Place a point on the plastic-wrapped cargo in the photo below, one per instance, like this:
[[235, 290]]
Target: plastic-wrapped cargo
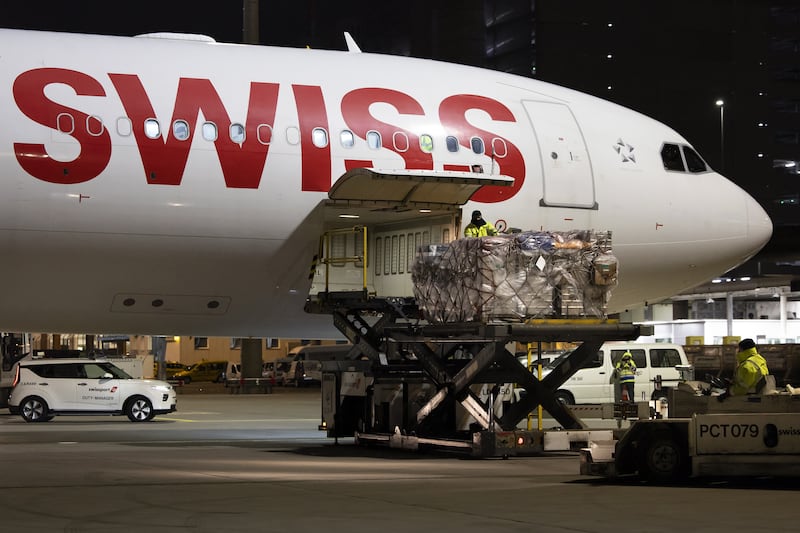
[[532, 274]]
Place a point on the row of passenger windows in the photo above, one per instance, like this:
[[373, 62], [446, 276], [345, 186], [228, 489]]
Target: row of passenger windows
[[320, 137], [682, 157]]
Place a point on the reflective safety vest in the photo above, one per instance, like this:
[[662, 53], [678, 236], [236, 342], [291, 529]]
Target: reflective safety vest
[[752, 369], [626, 370], [480, 231]]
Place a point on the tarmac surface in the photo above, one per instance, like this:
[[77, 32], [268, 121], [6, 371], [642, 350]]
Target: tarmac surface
[[257, 463]]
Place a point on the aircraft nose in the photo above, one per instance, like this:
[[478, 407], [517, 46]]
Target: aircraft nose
[[759, 225]]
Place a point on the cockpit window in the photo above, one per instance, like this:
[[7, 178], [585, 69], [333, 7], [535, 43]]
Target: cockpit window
[[694, 161], [671, 156]]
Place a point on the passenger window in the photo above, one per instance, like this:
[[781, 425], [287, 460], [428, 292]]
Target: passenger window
[[124, 128], [694, 161], [374, 140], [664, 358], [209, 131], [400, 141], [180, 130], [319, 137], [94, 126], [426, 143], [264, 133], [237, 133], [293, 135], [151, 128], [65, 123], [671, 156], [452, 143], [477, 145], [499, 147], [347, 138], [638, 357]]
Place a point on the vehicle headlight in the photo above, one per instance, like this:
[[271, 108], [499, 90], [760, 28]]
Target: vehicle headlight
[[161, 388]]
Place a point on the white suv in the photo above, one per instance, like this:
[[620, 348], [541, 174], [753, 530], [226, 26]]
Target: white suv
[[44, 388]]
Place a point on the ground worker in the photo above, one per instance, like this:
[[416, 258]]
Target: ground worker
[[751, 371], [625, 372], [479, 227]]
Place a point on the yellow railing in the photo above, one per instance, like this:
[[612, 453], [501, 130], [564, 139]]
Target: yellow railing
[[325, 250]]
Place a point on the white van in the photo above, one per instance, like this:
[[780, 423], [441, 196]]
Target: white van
[[306, 367], [594, 382]]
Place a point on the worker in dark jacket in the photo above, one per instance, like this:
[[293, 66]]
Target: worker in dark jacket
[[479, 227], [751, 371]]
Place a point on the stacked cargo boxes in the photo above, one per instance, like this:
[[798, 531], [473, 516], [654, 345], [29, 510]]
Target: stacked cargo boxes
[[532, 274]]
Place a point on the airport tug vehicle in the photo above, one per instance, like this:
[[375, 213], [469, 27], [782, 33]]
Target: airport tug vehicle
[[752, 435]]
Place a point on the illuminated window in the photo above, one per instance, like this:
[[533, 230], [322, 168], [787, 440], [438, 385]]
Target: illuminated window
[[152, 129], [426, 143], [209, 131], [347, 139], [180, 130], [237, 133], [319, 137], [374, 140]]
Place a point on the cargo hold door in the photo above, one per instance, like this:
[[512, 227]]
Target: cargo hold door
[[410, 188], [400, 209], [566, 167]]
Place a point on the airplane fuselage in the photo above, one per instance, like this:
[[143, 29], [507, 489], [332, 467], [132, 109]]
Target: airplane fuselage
[[188, 175]]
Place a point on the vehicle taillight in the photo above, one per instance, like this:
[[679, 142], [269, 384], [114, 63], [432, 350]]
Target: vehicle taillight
[[16, 377]]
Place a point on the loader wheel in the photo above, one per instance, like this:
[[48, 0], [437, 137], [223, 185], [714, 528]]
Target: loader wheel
[[663, 460]]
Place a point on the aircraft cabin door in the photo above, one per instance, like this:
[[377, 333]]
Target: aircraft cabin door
[[566, 167]]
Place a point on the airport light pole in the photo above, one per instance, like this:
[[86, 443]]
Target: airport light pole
[[721, 105]]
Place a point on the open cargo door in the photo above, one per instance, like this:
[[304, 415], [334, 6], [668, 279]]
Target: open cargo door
[[411, 188], [399, 210]]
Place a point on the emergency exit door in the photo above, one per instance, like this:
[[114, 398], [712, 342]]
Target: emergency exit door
[[566, 167]]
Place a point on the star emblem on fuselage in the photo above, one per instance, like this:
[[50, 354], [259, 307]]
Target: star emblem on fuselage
[[625, 151]]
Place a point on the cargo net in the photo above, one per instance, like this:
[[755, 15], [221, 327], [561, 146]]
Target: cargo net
[[533, 274]]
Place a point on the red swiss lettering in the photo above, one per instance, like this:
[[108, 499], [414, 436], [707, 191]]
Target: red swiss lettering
[[164, 160], [452, 113], [355, 111], [316, 160], [95, 143]]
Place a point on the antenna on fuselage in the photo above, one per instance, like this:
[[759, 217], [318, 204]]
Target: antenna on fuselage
[[351, 43]]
